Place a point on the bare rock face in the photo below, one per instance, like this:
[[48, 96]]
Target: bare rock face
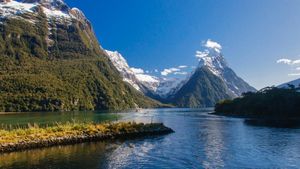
[[79, 15]]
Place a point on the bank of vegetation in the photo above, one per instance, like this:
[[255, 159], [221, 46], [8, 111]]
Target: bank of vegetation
[[270, 103], [33, 136]]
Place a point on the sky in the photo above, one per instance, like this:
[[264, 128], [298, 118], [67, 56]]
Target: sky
[[260, 39]]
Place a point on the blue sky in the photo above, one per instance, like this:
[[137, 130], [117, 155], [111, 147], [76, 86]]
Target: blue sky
[[159, 34]]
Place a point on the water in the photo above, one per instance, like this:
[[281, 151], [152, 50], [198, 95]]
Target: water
[[200, 140]]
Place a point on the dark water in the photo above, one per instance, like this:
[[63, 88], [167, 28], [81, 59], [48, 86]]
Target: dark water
[[200, 140]]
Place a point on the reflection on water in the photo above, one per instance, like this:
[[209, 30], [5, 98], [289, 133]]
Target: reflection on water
[[200, 140], [88, 155], [21, 119], [214, 145]]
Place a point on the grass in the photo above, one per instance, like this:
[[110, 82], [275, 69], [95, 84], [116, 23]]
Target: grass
[[35, 133]]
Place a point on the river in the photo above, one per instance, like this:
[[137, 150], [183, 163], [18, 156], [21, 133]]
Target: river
[[201, 140]]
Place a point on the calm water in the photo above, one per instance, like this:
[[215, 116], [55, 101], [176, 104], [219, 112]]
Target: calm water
[[200, 140]]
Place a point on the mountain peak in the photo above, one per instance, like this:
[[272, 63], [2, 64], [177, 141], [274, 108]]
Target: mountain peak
[[142, 81], [213, 59], [55, 10]]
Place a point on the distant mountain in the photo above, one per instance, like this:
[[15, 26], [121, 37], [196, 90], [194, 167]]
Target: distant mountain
[[152, 86], [296, 83], [51, 60], [213, 59], [203, 89], [211, 82]]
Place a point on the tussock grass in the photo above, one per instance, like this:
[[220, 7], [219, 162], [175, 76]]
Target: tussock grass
[[35, 133]]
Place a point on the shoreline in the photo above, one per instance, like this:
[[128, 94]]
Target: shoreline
[[135, 131], [265, 121]]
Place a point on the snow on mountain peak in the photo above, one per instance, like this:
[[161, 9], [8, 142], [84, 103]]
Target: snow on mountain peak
[[212, 57], [56, 10], [50, 4], [122, 66], [213, 45], [296, 83], [141, 80], [13, 8], [119, 62]]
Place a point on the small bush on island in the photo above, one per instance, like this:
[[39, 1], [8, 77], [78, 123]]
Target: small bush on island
[[268, 103]]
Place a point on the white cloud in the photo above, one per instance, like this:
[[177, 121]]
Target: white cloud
[[288, 61], [182, 66], [208, 45], [137, 70], [155, 70], [292, 63], [284, 61], [147, 78], [296, 61], [175, 70], [213, 45], [294, 74], [165, 72], [180, 73], [200, 54]]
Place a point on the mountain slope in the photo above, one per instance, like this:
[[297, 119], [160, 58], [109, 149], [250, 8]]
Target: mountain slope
[[58, 64], [212, 81], [203, 89], [216, 63], [296, 83], [151, 86], [122, 66]]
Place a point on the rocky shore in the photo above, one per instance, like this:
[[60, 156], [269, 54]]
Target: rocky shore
[[111, 132]]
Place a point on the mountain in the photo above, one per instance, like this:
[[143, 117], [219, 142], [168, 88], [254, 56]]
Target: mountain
[[296, 83], [213, 59], [51, 60], [152, 86], [213, 80], [122, 66], [203, 89]]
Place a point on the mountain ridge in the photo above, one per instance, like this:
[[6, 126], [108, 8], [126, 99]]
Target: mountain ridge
[[212, 69], [295, 82]]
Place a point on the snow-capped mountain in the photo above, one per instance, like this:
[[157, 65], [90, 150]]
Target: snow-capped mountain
[[212, 81], [141, 81], [213, 59], [51, 49], [55, 10], [296, 83], [122, 66]]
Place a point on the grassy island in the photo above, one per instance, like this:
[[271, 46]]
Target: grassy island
[[271, 104], [33, 136]]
